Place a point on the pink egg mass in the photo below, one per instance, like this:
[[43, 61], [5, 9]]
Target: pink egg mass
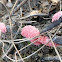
[[56, 16], [3, 27], [44, 40], [31, 31]]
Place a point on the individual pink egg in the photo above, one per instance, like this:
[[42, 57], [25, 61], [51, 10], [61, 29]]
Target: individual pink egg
[[56, 16]]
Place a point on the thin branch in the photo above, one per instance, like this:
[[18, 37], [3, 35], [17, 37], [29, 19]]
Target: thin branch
[[13, 7], [7, 51], [27, 16], [15, 57], [60, 5], [55, 48]]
